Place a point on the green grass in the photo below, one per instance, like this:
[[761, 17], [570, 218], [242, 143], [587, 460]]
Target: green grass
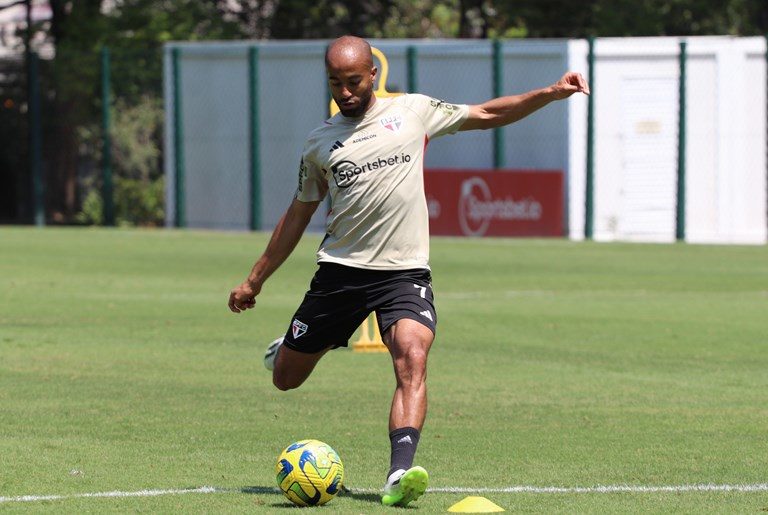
[[556, 364]]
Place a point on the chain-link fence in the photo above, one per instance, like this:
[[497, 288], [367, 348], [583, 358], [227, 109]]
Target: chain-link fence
[[672, 144], [238, 114], [631, 170]]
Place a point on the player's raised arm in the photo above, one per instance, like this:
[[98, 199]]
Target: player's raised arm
[[284, 238], [505, 110]]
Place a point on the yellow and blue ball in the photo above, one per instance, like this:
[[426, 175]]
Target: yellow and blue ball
[[309, 473]]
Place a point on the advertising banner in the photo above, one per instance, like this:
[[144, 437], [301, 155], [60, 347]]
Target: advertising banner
[[494, 202]]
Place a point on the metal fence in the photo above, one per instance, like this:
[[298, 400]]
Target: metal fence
[[632, 170], [671, 145], [219, 94]]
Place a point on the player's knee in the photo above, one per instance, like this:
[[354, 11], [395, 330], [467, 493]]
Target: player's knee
[[412, 353], [416, 358], [411, 365], [285, 383]]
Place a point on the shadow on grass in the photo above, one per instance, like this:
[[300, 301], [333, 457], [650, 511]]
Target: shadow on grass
[[268, 490], [260, 490], [360, 496]]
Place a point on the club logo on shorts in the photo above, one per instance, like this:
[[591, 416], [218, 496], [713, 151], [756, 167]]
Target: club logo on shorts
[[298, 328], [392, 123]]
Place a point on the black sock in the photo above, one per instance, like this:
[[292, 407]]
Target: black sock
[[404, 441]]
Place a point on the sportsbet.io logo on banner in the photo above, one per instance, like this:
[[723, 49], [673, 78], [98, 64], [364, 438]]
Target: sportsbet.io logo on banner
[[498, 203]]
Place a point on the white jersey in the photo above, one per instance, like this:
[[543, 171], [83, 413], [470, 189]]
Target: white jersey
[[373, 168]]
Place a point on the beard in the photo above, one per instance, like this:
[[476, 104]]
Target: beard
[[355, 112]]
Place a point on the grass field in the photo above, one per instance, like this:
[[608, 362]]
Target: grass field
[[557, 364]]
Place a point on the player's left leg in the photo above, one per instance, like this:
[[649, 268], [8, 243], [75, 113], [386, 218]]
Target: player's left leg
[[408, 342]]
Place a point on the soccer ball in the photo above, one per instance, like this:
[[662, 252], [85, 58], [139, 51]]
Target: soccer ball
[[309, 473]]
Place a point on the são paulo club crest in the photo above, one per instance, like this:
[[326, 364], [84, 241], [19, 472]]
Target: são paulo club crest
[[392, 123], [298, 328]]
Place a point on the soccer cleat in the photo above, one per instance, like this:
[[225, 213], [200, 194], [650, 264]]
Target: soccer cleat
[[271, 353], [404, 486]]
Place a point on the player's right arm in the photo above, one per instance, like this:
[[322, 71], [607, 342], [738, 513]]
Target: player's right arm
[[284, 238]]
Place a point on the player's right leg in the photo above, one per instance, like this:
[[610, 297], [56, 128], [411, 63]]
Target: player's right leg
[[292, 368], [408, 321], [408, 342], [330, 313]]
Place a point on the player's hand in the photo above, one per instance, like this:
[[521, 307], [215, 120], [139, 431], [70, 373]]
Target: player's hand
[[570, 83], [243, 297]]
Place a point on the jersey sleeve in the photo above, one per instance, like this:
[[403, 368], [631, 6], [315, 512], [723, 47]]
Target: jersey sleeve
[[439, 117], [312, 184]]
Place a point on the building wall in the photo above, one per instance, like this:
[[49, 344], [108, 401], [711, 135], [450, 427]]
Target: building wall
[[636, 114]]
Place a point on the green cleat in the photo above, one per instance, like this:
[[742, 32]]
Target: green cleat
[[404, 486]]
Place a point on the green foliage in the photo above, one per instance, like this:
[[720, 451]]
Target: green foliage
[[136, 138], [297, 19], [92, 212], [139, 202], [562, 18], [136, 202], [419, 20], [137, 156]]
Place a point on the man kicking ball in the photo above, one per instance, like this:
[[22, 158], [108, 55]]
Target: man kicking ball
[[375, 255]]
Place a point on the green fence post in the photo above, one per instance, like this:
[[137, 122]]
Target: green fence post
[[178, 141], [106, 142], [253, 144], [412, 72], [680, 221], [498, 87], [36, 140], [589, 201]]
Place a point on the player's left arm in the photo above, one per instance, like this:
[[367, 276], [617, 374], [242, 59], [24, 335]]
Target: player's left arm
[[505, 110]]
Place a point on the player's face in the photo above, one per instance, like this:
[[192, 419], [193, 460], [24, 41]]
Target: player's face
[[351, 86]]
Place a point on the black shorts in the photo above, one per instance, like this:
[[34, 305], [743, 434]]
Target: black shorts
[[341, 297]]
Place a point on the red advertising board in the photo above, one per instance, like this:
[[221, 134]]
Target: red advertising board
[[495, 202]]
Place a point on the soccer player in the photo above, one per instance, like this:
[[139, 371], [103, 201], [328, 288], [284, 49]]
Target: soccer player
[[375, 255]]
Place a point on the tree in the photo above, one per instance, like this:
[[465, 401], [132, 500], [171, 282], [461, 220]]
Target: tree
[[135, 31], [322, 19], [563, 18]]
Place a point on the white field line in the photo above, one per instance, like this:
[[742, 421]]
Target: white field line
[[510, 294], [140, 493], [608, 489], [759, 487]]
